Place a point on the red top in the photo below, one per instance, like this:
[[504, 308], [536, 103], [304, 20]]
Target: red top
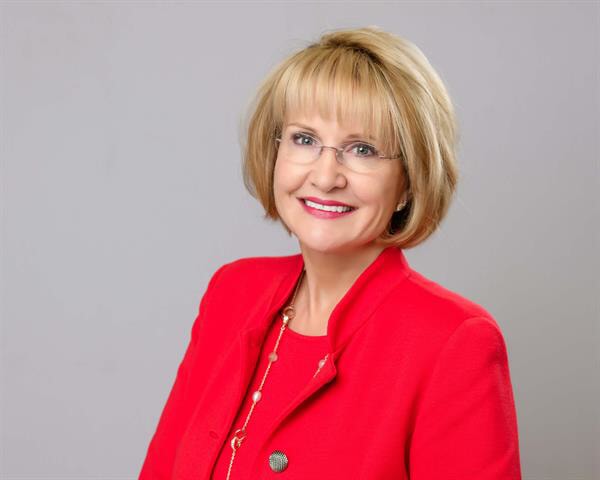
[[416, 384], [297, 361]]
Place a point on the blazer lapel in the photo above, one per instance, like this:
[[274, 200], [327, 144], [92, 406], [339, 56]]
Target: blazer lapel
[[372, 286], [216, 409]]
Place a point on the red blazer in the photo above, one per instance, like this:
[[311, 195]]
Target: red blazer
[[416, 385]]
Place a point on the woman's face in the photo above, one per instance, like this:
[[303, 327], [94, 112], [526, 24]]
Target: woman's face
[[374, 194]]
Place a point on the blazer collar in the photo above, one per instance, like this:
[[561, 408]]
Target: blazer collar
[[372, 286]]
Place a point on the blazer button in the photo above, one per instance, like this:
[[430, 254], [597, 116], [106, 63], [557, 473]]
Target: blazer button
[[278, 461]]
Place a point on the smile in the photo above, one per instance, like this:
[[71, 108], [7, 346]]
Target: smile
[[325, 211]]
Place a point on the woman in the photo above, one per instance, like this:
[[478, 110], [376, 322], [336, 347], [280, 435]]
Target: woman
[[342, 361]]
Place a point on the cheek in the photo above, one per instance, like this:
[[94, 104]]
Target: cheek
[[276, 178], [286, 179], [390, 186], [372, 192], [379, 194], [279, 179]]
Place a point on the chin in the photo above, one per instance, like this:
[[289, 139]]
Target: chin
[[326, 245]]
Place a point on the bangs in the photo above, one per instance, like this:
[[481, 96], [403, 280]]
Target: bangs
[[339, 84]]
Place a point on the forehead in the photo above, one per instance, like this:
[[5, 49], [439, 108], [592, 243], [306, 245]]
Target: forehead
[[314, 120]]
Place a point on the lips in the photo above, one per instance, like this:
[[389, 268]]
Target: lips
[[325, 214], [331, 203]]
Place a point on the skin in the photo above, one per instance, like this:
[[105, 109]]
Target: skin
[[335, 251]]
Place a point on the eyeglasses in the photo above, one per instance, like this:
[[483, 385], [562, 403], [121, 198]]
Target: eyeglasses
[[359, 157]]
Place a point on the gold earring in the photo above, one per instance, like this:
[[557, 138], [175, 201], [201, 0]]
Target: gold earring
[[400, 206]]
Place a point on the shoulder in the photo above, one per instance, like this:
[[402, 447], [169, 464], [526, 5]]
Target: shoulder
[[251, 272], [437, 309], [437, 323], [237, 286], [440, 298], [258, 265]]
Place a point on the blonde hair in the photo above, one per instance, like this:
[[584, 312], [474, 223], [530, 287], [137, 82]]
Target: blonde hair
[[386, 82]]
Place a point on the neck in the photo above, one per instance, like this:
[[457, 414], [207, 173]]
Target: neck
[[327, 278]]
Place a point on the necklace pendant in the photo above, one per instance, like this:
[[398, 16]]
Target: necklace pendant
[[288, 314], [237, 439], [321, 364]]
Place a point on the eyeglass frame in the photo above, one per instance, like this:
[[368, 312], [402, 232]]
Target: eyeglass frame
[[339, 152]]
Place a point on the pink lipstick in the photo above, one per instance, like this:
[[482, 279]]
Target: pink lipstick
[[322, 213]]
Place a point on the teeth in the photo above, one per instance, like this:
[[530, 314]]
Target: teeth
[[327, 208]]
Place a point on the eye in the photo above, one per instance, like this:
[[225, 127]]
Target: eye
[[363, 150], [303, 139]]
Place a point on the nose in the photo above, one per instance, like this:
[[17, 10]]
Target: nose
[[334, 151], [326, 172]]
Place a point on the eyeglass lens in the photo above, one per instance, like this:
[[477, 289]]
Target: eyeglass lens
[[357, 156]]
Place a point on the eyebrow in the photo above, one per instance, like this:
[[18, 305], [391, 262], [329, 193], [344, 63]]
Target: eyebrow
[[357, 136]]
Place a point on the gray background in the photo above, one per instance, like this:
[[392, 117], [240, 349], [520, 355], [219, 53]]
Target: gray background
[[121, 194]]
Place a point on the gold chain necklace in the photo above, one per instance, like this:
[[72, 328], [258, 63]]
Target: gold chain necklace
[[287, 314]]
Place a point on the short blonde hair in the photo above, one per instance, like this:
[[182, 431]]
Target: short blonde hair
[[384, 81]]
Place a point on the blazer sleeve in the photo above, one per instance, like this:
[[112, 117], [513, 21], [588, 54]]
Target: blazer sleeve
[[171, 425], [466, 425]]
